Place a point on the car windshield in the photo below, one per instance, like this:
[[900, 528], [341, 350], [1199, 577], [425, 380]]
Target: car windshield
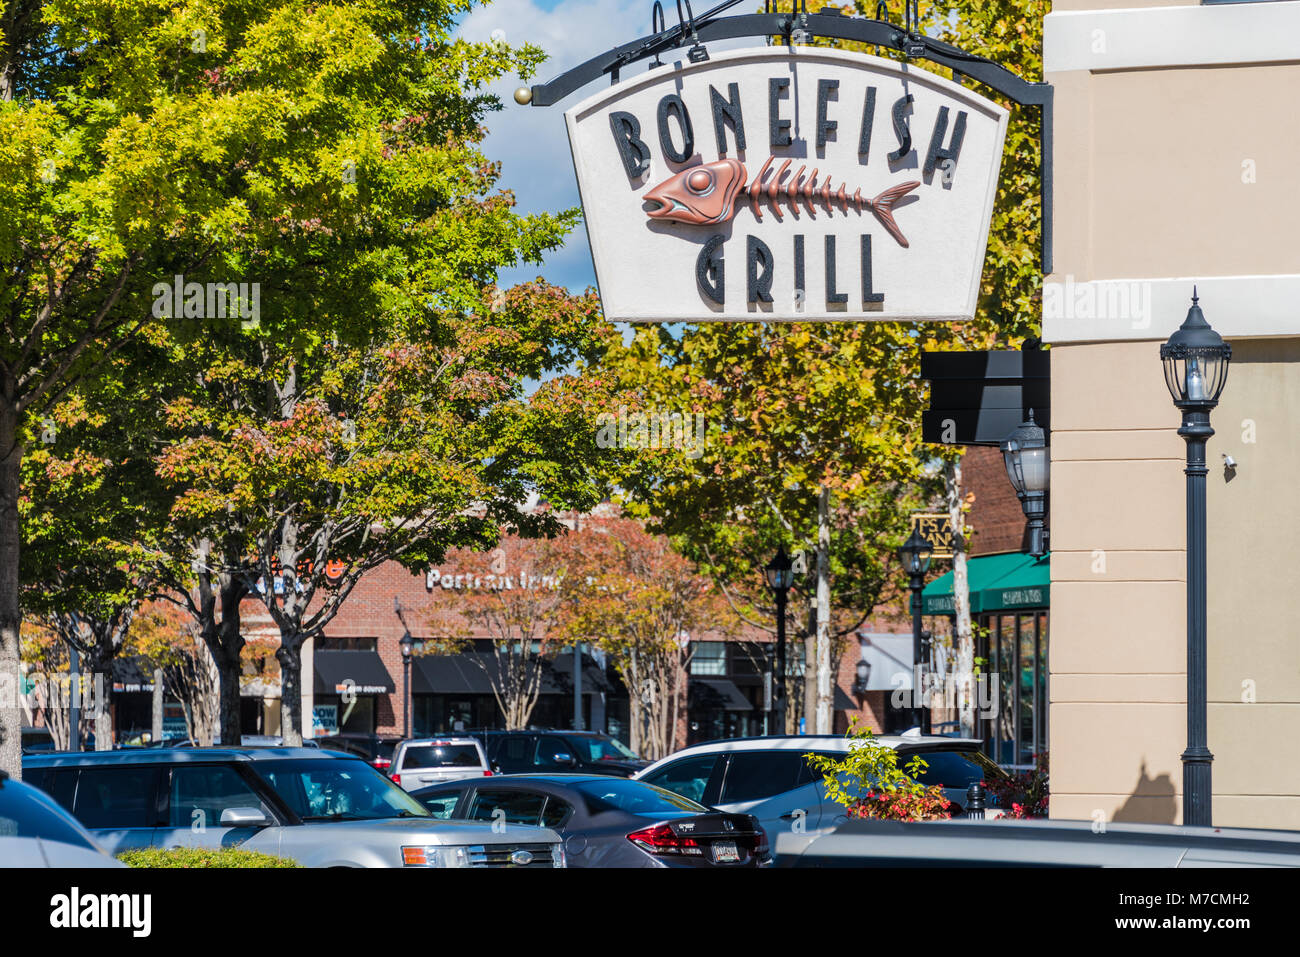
[[27, 812], [635, 797], [441, 756], [602, 749], [953, 769], [337, 790]]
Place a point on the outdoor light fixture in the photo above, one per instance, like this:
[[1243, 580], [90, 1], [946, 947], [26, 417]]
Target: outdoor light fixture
[[915, 554], [779, 574], [407, 645], [863, 677], [779, 571], [1196, 367], [1025, 455]]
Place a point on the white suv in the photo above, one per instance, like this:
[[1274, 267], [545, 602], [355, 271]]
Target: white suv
[[419, 762], [770, 778]]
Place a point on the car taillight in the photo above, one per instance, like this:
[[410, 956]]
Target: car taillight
[[660, 839], [381, 763], [397, 779], [487, 774]]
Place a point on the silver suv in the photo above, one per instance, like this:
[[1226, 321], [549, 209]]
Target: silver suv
[[320, 808], [420, 762]]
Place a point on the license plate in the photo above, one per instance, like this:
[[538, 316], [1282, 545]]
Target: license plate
[[725, 852]]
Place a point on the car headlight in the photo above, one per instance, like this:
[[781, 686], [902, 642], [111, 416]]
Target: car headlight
[[557, 855], [431, 856]]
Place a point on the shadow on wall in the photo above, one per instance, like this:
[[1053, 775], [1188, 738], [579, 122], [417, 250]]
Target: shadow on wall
[[1152, 801]]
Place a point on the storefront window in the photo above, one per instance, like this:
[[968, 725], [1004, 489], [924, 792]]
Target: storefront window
[[709, 658], [1016, 651]]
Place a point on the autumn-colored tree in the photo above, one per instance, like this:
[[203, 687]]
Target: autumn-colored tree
[[512, 594], [47, 690], [386, 451], [634, 597], [811, 445]]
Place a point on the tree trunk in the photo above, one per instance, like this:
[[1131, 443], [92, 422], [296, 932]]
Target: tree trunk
[[809, 673], [11, 454], [290, 658], [156, 718], [224, 643], [825, 703], [963, 639]]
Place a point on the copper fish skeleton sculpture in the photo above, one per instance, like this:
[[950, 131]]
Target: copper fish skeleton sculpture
[[708, 194]]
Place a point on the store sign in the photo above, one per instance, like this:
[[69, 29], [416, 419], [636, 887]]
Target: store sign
[[937, 530], [787, 183]]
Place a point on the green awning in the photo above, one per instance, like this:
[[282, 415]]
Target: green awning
[[996, 583]]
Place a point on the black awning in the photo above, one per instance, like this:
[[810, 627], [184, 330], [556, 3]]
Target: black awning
[[472, 673], [131, 673], [451, 674], [841, 701], [335, 667], [559, 675], [717, 694]]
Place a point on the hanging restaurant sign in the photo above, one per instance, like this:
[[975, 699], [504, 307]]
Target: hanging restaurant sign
[[787, 183]]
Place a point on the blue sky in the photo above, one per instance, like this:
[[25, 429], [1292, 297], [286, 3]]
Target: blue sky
[[530, 142]]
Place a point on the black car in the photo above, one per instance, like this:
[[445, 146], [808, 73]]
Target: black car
[[577, 752], [373, 748], [607, 821]]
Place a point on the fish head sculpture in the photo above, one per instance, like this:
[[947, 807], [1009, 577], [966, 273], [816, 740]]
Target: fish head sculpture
[[700, 195]]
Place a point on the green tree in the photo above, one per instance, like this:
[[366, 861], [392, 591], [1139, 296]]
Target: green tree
[[324, 150]]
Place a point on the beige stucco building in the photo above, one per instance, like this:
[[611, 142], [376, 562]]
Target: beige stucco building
[[1177, 141]]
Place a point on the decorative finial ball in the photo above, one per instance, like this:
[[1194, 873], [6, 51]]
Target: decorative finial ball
[[523, 96]]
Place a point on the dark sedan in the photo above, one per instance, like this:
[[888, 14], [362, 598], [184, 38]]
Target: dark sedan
[[607, 821]]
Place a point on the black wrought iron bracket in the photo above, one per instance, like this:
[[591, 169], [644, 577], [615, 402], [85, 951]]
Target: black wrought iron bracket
[[796, 26]]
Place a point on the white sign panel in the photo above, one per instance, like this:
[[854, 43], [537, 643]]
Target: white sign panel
[[776, 183]]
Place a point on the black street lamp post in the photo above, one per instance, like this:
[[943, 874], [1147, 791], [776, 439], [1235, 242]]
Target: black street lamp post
[[1025, 455], [780, 576], [915, 554], [408, 647], [1196, 367], [408, 644]]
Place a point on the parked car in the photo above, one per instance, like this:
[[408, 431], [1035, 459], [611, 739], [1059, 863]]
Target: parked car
[[419, 762], [320, 808], [1036, 843], [245, 741], [770, 778], [607, 821], [33, 739], [36, 832], [373, 748], [579, 752]]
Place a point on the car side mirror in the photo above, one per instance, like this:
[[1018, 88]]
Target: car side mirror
[[564, 758], [244, 817]]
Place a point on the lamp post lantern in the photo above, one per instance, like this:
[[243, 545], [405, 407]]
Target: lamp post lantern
[[1196, 367], [408, 645], [1025, 455], [915, 554], [780, 576]]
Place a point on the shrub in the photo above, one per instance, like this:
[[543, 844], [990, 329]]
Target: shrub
[[869, 782], [202, 857], [1023, 794]]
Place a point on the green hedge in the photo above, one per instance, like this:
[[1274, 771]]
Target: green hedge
[[203, 857]]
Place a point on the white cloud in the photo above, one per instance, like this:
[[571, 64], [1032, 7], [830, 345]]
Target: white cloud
[[530, 142]]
